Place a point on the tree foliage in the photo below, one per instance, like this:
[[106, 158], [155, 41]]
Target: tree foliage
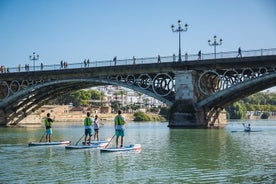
[[80, 97], [264, 102], [141, 116]]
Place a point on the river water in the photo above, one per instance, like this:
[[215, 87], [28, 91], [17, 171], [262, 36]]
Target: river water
[[167, 155]]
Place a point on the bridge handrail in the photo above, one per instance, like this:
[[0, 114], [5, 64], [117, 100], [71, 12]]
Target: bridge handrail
[[146, 60]]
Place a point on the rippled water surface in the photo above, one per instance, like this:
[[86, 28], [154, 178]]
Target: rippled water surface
[[167, 156]]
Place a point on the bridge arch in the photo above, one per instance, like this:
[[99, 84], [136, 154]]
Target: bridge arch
[[239, 91], [33, 97]]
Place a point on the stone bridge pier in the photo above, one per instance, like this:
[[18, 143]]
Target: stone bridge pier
[[184, 113]]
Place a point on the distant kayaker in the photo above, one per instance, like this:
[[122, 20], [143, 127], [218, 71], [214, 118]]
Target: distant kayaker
[[119, 123], [87, 128], [96, 128], [48, 125], [247, 128]]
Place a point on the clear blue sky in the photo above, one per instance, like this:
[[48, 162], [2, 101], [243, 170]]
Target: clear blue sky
[[74, 30]]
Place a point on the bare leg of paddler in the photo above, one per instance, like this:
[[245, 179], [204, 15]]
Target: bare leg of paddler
[[85, 138], [117, 138], [89, 140], [122, 141]]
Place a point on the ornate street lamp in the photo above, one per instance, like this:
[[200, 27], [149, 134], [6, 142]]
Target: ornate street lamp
[[179, 30], [34, 58], [215, 44]]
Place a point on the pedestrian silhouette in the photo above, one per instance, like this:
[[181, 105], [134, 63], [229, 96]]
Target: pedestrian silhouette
[[61, 64], [199, 55], [158, 59], [134, 60], [84, 62], [186, 56], [115, 60], [239, 52]]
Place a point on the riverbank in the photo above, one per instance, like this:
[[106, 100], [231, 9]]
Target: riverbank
[[36, 120], [68, 114]]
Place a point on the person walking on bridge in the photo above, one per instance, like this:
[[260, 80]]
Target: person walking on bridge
[[158, 59], [199, 55], [119, 123], [239, 52], [48, 125], [115, 60]]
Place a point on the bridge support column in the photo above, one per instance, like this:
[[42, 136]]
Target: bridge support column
[[183, 113]]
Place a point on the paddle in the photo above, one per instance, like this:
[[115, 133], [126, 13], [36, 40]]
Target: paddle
[[109, 141], [42, 136], [79, 140]]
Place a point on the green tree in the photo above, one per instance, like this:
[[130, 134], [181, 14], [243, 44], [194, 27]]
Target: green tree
[[235, 111], [265, 115], [141, 116], [95, 94], [115, 106], [256, 102]]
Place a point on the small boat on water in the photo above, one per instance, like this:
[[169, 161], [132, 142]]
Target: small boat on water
[[49, 143], [246, 131], [134, 147]]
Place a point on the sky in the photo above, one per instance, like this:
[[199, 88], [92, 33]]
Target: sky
[[74, 30]]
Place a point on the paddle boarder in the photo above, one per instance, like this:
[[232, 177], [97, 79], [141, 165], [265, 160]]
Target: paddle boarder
[[96, 128], [48, 125], [119, 123], [87, 128]]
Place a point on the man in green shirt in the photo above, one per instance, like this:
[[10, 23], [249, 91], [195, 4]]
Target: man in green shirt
[[48, 125], [87, 128], [119, 123]]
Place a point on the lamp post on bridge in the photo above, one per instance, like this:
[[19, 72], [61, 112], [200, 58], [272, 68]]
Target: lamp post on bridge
[[215, 44], [34, 58], [179, 30]]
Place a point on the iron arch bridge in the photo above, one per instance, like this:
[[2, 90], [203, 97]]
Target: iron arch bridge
[[20, 98], [217, 83]]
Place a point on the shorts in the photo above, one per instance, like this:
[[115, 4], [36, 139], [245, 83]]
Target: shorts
[[88, 131], [49, 131], [120, 132]]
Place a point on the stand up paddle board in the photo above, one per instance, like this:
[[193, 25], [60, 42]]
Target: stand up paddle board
[[98, 142], [49, 143], [94, 144], [134, 147]]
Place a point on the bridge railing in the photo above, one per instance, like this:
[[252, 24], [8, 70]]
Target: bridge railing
[[146, 60]]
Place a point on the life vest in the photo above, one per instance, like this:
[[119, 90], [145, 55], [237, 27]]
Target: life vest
[[119, 120], [87, 121], [48, 123]]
